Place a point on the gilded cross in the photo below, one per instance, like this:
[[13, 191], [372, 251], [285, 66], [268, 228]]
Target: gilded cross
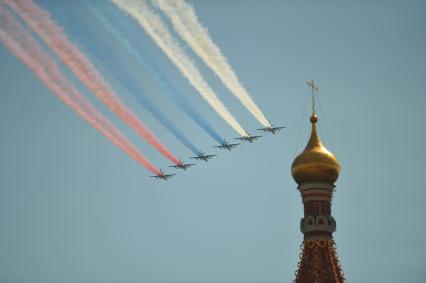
[[314, 89]]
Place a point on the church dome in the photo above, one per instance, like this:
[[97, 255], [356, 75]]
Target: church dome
[[315, 163]]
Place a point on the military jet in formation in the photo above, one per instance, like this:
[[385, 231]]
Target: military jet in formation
[[227, 145], [271, 129], [182, 165], [204, 157], [163, 176], [248, 138]]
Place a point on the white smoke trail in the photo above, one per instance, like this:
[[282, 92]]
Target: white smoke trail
[[186, 24], [155, 27]]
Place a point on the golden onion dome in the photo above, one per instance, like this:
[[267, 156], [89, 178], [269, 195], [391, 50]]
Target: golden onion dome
[[315, 163]]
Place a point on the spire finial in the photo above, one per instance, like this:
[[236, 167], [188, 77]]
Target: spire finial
[[314, 88]]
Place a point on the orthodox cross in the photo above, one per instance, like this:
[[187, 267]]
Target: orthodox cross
[[314, 89]]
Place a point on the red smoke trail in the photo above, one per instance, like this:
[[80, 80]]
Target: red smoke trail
[[39, 20], [23, 46]]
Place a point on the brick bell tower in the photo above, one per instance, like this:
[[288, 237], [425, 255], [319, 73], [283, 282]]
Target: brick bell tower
[[315, 170]]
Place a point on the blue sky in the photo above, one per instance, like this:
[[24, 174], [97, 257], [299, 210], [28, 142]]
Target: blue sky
[[73, 208]]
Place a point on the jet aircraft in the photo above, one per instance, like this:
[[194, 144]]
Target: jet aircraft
[[203, 156], [163, 176], [249, 138], [182, 165], [271, 129], [227, 145]]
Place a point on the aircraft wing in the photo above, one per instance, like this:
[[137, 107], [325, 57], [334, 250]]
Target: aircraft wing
[[207, 157], [167, 176]]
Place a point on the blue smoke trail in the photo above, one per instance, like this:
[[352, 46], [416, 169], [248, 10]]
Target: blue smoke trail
[[107, 56], [119, 26]]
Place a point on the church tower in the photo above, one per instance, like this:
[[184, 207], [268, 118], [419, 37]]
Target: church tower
[[315, 170]]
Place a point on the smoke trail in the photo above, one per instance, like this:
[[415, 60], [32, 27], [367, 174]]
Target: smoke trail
[[39, 21], [186, 24], [159, 32], [26, 49], [108, 57], [116, 25]]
